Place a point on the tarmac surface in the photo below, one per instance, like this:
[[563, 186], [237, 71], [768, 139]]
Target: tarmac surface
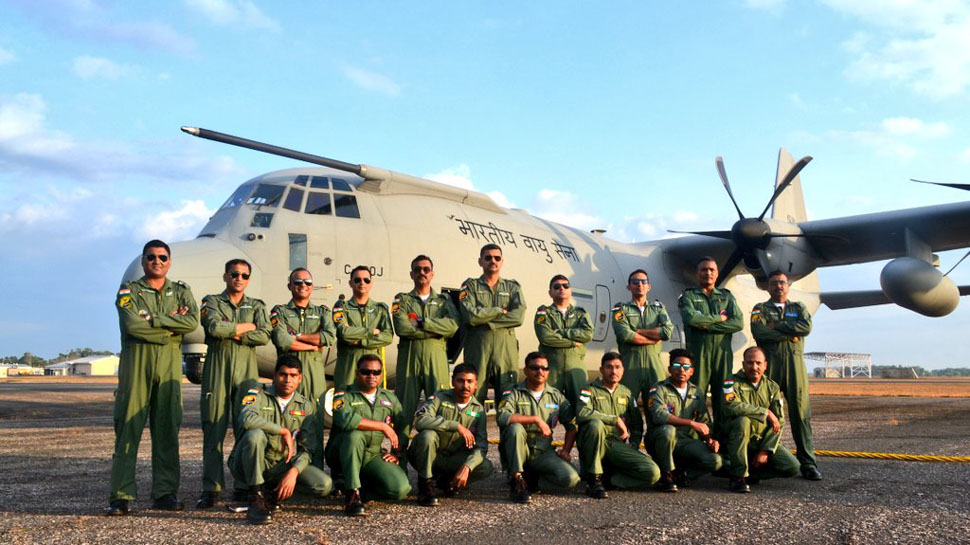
[[56, 441]]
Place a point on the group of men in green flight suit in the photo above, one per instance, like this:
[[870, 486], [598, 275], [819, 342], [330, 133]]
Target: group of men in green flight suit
[[450, 445]]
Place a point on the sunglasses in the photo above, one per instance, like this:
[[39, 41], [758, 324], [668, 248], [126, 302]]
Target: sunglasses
[[299, 281], [424, 270], [560, 286], [236, 274], [636, 281], [684, 366], [495, 258], [361, 279], [369, 372], [538, 368], [152, 257]]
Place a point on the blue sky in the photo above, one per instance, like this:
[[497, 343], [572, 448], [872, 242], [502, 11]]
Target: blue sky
[[597, 115]]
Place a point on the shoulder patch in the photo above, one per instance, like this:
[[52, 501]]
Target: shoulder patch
[[338, 404], [338, 315], [618, 315], [730, 396], [249, 399], [125, 302]]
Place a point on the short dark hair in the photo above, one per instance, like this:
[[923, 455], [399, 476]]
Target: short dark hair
[[533, 356], [610, 356], [361, 268], [369, 358], [703, 259], [464, 369], [233, 262], [681, 353], [421, 257], [289, 279], [557, 277], [778, 272], [289, 360], [155, 243], [629, 277], [753, 348], [488, 247]]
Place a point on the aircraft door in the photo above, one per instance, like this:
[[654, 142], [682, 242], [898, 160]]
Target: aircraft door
[[601, 318]]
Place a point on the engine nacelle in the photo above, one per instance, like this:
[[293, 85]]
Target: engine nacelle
[[915, 284]]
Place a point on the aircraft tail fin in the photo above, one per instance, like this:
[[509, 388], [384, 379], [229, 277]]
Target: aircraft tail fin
[[790, 205]]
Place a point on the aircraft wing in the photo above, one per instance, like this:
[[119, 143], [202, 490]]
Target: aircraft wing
[[874, 237], [837, 300]]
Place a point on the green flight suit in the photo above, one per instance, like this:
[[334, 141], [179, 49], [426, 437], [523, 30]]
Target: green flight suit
[[357, 454], [524, 448], [490, 345], [150, 382], [439, 450], [780, 332], [558, 335], [600, 448], [679, 446], [288, 322], [709, 340], [259, 455], [642, 364], [355, 336], [746, 408], [230, 368], [422, 354]]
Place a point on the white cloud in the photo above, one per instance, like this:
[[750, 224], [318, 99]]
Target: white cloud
[[372, 81], [23, 131], [6, 57], [234, 12], [95, 67], [460, 176], [176, 224], [565, 208], [908, 126], [922, 45]]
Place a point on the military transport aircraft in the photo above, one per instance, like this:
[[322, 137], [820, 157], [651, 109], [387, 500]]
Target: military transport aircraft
[[331, 218]]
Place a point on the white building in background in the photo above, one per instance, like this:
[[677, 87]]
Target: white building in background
[[88, 366]]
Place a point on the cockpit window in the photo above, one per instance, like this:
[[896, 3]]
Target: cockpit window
[[346, 206], [238, 196], [318, 203], [301, 180], [341, 185], [319, 182], [267, 195], [294, 199]]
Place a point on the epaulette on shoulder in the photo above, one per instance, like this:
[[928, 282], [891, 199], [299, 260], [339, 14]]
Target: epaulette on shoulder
[[181, 283], [338, 304], [657, 303]]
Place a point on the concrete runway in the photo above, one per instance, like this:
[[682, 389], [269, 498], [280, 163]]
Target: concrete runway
[[56, 441]]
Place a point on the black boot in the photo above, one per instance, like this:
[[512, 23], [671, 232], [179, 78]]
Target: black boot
[[259, 510], [594, 487], [207, 500], [519, 489], [117, 508], [426, 493], [353, 505], [739, 485], [667, 482], [168, 502]]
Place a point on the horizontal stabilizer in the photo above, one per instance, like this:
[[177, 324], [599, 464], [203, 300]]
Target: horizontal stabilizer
[[838, 300]]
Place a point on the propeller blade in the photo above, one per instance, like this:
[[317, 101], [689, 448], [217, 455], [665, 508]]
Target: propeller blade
[[719, 163], [729, 265], [958, 263], [965, 187], [808, 236], [716, 234], [789, 178]]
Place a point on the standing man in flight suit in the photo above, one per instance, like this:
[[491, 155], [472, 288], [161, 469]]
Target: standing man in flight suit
[[679, 436], [604, 410], [153, 313], [779, 327], [235, 324], [492, 307], [272, 455], [424, 320], [306, 331], [711, 316], [756, 415], [640, 328], [362, 417], [563, 330], [363, 327]]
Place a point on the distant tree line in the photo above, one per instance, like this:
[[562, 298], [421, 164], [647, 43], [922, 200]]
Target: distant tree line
[[907, 370], [37, 361]]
